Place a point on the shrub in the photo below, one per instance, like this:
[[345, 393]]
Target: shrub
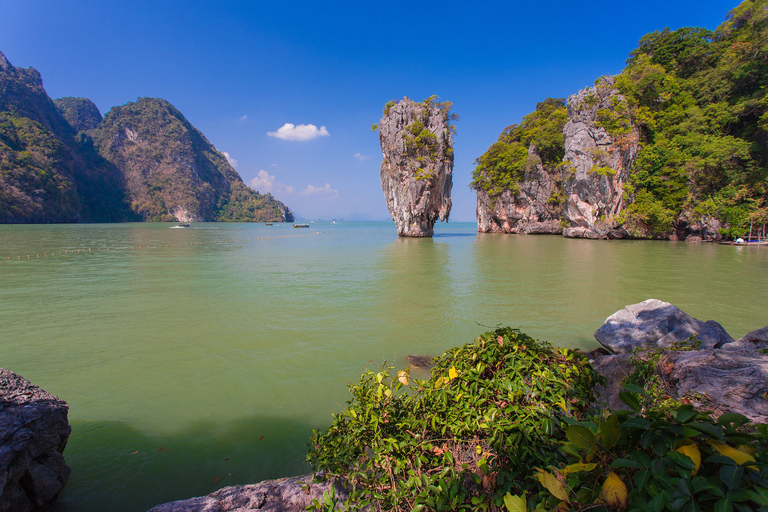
[[464, 438]]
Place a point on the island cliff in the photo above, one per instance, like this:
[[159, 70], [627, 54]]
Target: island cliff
[[417, 164], [61, 162], [674, 147]]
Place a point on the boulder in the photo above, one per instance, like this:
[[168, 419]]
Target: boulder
[[716, 380], [292, 494], [33, 434], [654, 323], [755, 340]]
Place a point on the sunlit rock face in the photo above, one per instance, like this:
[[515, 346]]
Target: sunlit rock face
[[599, 164], [417, 165], [529, 211]]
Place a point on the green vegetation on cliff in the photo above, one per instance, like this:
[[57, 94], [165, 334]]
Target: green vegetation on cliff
[[699, 100], [503, 166]]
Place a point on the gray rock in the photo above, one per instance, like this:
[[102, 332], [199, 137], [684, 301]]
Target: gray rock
[[421, 361], [416, 177], [33, 434], [654, 323], [599, 163], [530, 211], [733, 380], [283, 495], [755, 340]]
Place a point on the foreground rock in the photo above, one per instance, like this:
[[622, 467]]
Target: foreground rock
[[417, 165], [654, 323], [283, 495], [721, 376], [33, 434]]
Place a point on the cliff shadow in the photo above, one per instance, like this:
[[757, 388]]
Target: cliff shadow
[[117, 467]]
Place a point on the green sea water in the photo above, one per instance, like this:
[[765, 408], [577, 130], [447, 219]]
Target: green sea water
[[206, 357]]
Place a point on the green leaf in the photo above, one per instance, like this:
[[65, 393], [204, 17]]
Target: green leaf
[[610, 433], [515, 503], [732, 417], [626, 463], [685, 413], [630, 400], [580, 436], [731, 476], [681, 460], [724, 505]]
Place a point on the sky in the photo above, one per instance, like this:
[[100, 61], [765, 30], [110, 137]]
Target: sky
[[289, 90]]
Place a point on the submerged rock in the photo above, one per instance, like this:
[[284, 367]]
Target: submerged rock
[[283, 495], [33, 434], [417, 165], [654, 323]]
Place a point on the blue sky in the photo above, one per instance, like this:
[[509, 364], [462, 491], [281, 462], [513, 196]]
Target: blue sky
[[241, 69]]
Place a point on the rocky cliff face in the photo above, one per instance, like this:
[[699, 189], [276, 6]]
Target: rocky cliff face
[[172, 172], [417, 165], [529, 211], [47, 172], [599, 162]]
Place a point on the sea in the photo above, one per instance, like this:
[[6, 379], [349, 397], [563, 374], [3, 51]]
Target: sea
[[198, 358]]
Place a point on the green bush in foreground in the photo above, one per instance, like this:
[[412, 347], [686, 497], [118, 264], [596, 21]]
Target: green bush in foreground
[[658, 460], [462, 440]]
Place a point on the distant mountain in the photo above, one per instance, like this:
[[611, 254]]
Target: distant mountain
[[61, 162], [47, 172], [172, 172]]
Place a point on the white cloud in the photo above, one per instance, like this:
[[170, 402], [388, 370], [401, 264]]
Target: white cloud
[[330, 193], [362, 157], [244, 118], [267, 183], [229, 158], [290, 131]]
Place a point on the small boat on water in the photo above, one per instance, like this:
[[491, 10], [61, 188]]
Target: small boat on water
[[267, 223], [180, 226], [301, 225]]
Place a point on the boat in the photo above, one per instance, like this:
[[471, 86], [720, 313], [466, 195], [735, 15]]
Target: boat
[[180, 226], [267, 223], [301, 225]]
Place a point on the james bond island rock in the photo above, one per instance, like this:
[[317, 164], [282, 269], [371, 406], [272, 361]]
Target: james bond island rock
[[417, 165], [600, 148], [654, 323], [172, 172], [33, 434], [519, 180], [293, 494]]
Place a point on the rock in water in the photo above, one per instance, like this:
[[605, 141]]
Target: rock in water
[[417, 165], [654, 323], [33, 433]]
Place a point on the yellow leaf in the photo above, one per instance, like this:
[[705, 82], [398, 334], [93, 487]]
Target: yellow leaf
[[723, 449], [746, 448], [578, 467], [692, 452], [553, 485], [614, 491], [452, 373], [402, 376]]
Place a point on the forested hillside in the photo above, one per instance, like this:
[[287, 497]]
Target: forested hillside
[[694, 102]]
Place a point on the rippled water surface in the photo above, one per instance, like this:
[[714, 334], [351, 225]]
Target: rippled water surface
[[207, 358]]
